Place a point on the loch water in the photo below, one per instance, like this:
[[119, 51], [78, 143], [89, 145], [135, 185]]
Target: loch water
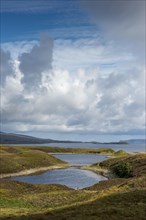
[[127, 147], [73, 177], [81, 159]]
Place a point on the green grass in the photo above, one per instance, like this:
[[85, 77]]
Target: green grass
[[13, 203]]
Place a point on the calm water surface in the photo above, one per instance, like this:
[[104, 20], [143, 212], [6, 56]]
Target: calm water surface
[[81, 159], [72, 177]]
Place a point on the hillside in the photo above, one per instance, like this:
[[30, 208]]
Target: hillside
[[136, 163], [56, 202], [13, 161], [10, 138]]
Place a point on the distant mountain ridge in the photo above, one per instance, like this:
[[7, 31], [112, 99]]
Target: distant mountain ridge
[[7, 138], [11, 138]]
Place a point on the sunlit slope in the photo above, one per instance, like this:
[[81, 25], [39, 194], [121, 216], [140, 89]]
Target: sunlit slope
[[19, 161]]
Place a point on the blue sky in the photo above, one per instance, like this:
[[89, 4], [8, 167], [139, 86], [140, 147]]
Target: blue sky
[[28, 20], [73, 69]]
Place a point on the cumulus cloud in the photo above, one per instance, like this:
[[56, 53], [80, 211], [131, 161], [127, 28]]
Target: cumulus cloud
[[82, 97], [35, 62], [17, 48]]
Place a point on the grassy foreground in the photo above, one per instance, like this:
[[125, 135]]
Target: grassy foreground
[[115, 199]]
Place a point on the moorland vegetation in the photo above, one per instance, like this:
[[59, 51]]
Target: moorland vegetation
[[122, 197]]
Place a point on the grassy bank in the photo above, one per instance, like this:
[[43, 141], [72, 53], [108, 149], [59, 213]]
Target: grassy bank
[[17, 149], [121, 166], [136, 163]]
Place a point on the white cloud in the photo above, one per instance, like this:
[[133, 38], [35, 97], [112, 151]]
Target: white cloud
[[16, 48], [86, 53], [79, 94]]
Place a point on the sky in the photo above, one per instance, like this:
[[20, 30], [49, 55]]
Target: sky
[[73, 69]]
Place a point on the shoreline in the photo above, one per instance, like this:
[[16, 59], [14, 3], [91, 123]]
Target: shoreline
[[99, 171], [102, 172], [33, 170], [104, 154]]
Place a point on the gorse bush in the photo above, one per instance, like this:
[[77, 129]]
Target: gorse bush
[[122, 169]]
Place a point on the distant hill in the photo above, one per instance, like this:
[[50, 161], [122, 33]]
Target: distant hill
[[10, 138], [117, 142], [130, 141], [136, 141]]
